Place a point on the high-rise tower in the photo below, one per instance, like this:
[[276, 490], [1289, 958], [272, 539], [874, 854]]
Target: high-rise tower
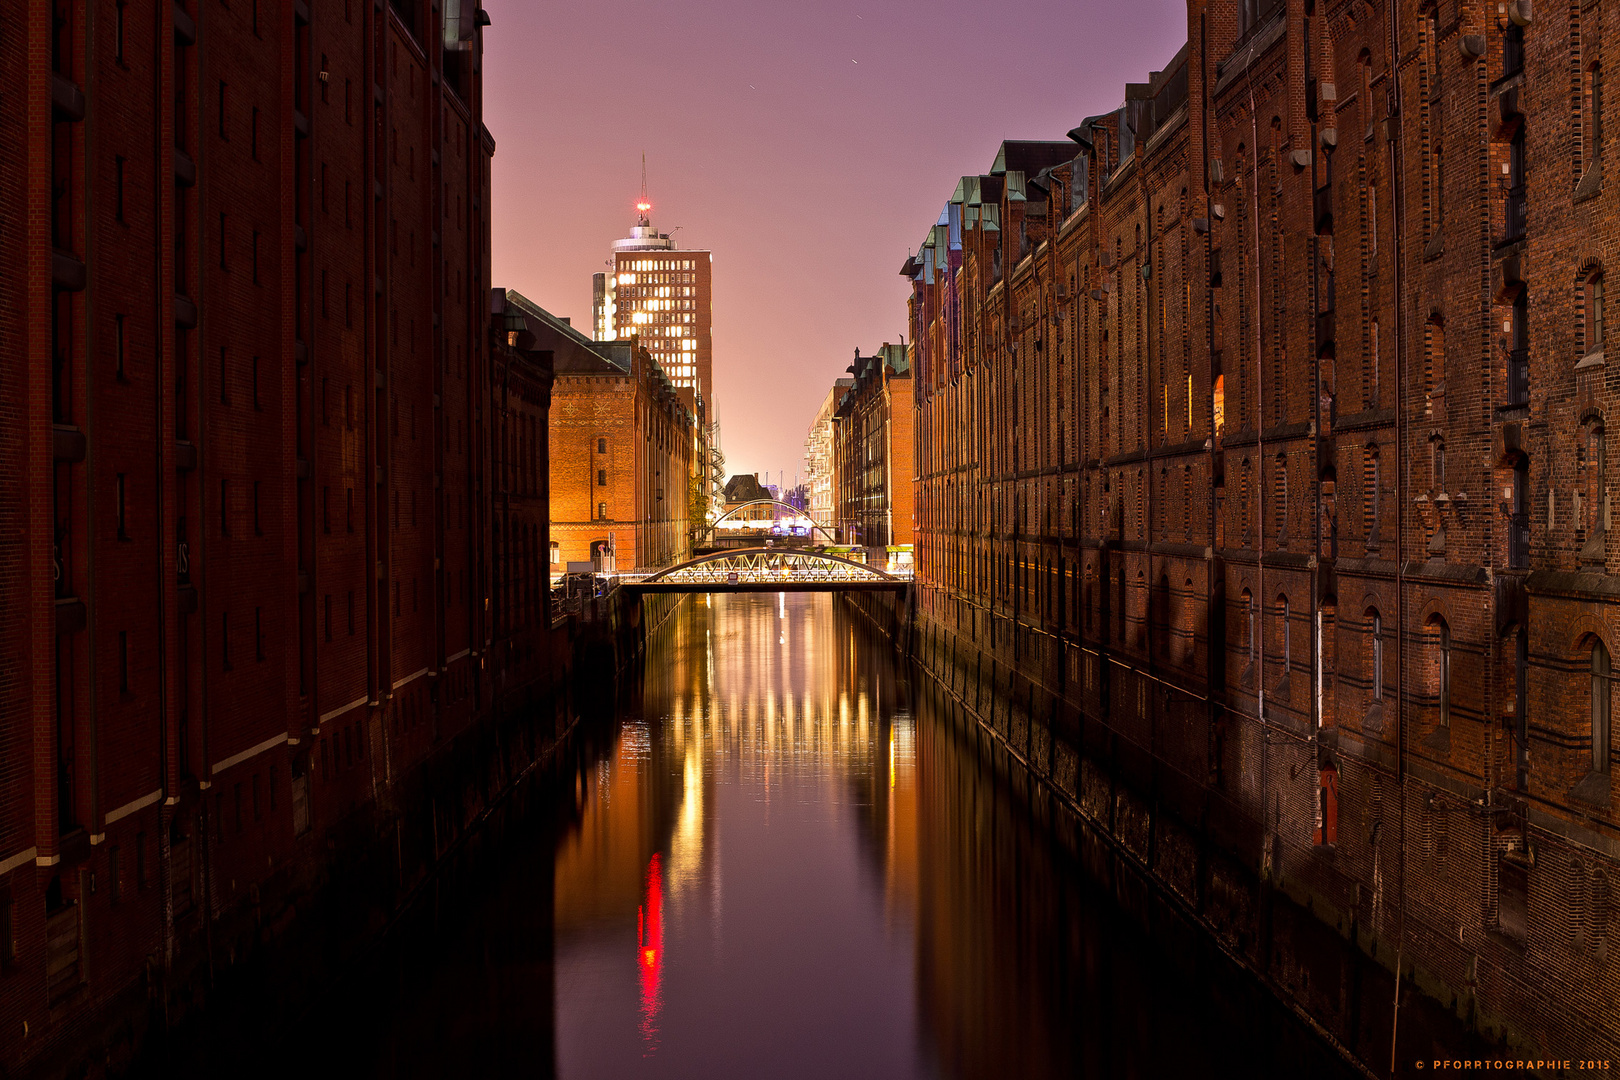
[[662, 294]]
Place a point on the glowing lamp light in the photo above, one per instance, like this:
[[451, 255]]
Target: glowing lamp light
[[644, 206]]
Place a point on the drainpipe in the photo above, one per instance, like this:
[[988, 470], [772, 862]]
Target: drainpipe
[[1394, 112]]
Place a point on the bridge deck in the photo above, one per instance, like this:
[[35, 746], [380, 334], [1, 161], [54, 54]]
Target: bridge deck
[[763, 586]]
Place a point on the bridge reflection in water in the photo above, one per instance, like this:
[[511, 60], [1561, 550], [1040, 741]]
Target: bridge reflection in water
[[786, 863]]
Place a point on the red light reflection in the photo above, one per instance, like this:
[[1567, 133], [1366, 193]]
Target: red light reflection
[[649, 951]]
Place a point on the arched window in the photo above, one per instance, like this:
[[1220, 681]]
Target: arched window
[[1375, 667], [1437, 463], [1434, 360], [1282, 498], [556, 553], [1593, 322], [1519, 516], [1594, 115], [1243, 502], [1600, 708], [1443, 671], [1248, 627], [1596, 487], [1285, 633], [601, 511], [1369, 379], [1369, 494]]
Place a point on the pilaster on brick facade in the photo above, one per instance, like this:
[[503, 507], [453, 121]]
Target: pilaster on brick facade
[[1268, 409]]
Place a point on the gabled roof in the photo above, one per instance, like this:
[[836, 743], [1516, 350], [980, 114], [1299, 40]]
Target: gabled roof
[[1030, 157]]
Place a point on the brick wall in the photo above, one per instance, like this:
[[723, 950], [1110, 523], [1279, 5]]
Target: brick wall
[[1262, 423], [249, 397]]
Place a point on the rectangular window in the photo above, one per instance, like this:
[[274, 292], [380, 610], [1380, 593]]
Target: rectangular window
[[118, 31], [601, 478], [223, 102]]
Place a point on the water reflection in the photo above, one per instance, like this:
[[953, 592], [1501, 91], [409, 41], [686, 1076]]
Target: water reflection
[[778, 861], [744, 822], [849, 890]]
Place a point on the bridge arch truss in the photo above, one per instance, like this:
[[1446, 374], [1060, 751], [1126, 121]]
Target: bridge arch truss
[[769, 570]]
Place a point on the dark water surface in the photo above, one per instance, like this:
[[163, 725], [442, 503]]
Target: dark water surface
[[780, 860]]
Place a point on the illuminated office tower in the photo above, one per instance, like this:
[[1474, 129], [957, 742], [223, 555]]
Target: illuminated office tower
[[661, 294]]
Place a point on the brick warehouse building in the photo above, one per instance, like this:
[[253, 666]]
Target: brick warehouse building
[[252, 435], [628, 448], [1261, 465], [872, 451]]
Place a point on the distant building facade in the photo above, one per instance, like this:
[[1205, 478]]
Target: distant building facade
[[872, 451], [662, 295], [624, 447], [819, 459]]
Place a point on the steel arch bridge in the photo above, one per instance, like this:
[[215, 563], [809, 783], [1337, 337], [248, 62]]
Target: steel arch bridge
[[768, 570], [814, 526]]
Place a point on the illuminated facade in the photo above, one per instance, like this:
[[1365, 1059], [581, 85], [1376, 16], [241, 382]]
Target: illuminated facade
[[660, 294], [819, 459]]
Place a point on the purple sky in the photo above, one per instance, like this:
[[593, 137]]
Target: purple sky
[[809, 145]]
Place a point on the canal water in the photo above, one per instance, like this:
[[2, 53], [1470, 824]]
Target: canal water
[[779, 859]]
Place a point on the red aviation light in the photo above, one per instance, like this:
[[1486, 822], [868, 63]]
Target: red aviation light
[[644, 206]]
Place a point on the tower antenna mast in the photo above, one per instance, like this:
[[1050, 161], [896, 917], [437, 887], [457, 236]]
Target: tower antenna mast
[[643, 205]]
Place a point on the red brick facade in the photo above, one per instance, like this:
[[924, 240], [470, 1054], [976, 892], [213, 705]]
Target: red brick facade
[[624, 446], [872, 452], [248, 389], [1260, 428]]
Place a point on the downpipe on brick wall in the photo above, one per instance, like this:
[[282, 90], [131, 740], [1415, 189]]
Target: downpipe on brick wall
[[1397, 186]]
